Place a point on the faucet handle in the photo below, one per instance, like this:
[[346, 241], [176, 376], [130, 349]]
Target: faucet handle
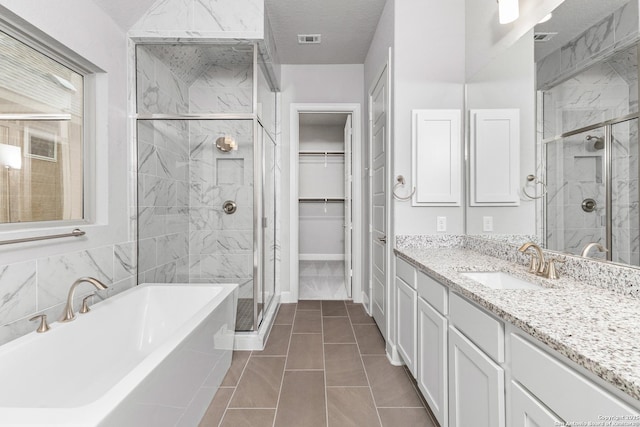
[[44, 326], [551, 271], [85, 304], [533, 263]]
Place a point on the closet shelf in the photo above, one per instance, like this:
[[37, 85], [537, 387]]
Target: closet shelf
[[321, 200]]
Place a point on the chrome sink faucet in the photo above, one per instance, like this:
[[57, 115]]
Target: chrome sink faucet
[[538, 264], [68, 314]]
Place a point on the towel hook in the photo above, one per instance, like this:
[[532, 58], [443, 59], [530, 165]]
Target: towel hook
[[535, 180], [400, 181]]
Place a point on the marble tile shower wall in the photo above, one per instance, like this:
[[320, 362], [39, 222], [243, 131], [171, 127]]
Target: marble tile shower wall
[[221, 245], [163, 174], [611, 32], [41, 285]]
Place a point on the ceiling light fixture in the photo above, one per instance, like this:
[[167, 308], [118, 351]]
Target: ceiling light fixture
[[508, 11]]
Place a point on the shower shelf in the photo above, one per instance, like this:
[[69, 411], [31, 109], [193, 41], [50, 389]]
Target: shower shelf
[[321, 153]]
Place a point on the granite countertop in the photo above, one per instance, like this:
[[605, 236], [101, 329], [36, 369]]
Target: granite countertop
[[597, 328]]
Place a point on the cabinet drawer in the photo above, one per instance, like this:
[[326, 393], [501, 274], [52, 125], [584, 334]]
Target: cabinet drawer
[[433, 292], [485, 331], [406, 272], [565, 391]]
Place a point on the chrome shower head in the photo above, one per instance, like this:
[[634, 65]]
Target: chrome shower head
[[599, 141]]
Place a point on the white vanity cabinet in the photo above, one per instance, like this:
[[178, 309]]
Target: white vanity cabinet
[[560, 389], [432, 360], [406, 313], [527, 411], [469, 365], [476, 379]]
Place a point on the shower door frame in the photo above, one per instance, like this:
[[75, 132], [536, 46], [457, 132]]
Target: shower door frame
[[607, 125]]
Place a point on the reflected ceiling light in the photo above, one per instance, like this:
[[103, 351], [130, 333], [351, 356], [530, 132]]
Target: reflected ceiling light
[[546, 18], [10, 156], [508, 11]]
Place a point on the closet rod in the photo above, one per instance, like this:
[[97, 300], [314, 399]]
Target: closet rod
[[321, 153], [328, 200]]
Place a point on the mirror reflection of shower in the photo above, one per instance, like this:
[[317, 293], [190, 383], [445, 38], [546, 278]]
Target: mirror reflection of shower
[[597, 144]]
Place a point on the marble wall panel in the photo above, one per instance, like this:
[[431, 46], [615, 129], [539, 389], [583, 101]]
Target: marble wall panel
[[41, 286]]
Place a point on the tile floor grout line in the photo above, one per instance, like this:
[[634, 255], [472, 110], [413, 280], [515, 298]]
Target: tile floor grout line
[[373, 399], [324, 369], [284, 368], [224, 414]]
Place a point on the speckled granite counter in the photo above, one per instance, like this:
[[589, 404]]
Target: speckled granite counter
[[594, 327]]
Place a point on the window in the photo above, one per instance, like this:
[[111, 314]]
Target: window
[[41, 136]]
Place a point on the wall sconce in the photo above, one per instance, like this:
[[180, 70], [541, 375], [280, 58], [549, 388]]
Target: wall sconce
[[508, 11]]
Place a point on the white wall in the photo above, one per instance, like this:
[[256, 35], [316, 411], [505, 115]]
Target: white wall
[[41, 273], [486, 37], [309, 84], [428, 72], [508, 81]]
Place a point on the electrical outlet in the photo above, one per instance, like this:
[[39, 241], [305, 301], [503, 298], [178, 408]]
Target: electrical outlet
[[487, 223], [441, 223]]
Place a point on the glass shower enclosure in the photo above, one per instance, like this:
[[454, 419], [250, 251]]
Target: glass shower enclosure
[[206, 170]]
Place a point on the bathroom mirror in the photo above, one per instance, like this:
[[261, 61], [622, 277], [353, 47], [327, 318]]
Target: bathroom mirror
[[574, 80]]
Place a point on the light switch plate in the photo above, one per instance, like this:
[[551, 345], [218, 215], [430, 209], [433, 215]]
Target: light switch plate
[[441, 223], [487, 223]]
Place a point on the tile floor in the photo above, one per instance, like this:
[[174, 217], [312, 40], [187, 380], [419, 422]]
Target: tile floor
[[323, 365]]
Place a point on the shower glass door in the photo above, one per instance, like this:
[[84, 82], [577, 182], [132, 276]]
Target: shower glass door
[[625, 221], [269, 219], [576, 191]]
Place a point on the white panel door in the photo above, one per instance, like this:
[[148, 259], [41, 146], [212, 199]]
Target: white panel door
[[378, 105], [495, 157], [431, 360], [406, 316], [526, 411], [348, 194], [436, 157], [476, 385]]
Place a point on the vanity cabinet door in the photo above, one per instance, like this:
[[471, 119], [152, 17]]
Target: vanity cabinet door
[[406, 309], [432, 360], [526, 411], [476, 385]]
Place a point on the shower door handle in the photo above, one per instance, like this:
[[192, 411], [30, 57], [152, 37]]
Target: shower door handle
[[383, 239]]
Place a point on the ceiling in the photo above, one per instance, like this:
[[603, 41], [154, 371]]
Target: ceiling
[[571, 19], [346, 26]]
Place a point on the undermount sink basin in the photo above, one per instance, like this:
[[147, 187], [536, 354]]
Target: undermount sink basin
[[500, 280]]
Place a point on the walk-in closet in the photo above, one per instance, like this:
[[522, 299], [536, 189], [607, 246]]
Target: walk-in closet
[[324, 196]]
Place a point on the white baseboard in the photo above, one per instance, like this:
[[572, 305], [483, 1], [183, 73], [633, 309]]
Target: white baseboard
[[287, 298], [393, 355]]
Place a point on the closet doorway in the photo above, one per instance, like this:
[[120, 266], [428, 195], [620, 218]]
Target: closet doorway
[[326, 202]]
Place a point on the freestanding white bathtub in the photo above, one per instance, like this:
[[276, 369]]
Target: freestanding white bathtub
[[151, 356]]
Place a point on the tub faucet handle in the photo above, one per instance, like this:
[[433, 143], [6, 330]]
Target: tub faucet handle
[[85, 304], [44, 326]]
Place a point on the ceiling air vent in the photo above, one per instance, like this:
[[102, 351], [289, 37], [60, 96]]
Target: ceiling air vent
[[308, 38], [543, 37]]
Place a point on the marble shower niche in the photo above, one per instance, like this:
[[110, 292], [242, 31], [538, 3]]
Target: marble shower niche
[[188, 96]]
